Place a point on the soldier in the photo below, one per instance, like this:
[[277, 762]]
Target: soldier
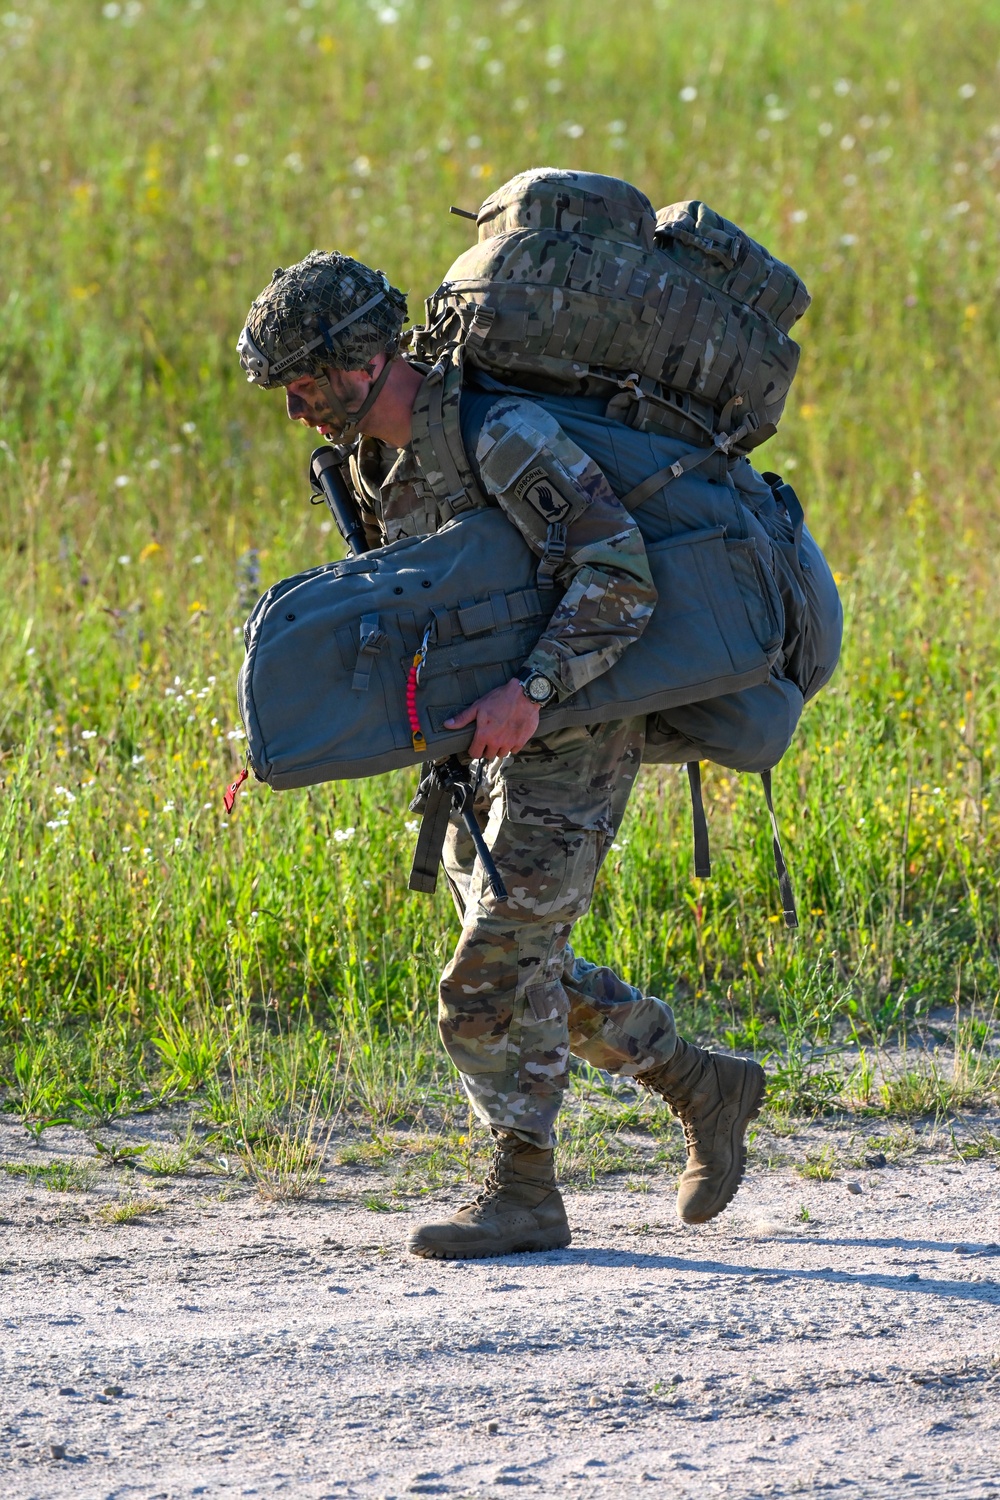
[[515, 1000]]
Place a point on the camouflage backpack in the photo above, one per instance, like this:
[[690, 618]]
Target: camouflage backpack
[[577, 287]]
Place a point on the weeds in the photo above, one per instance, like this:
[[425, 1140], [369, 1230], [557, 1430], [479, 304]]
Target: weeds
[[57, 1176], [819, 1166], [379, 1205], [985, 1145], [128, 1210], [896, 1144], [284, 1167], [170, 1161], [101, 1106], [118, 1153]]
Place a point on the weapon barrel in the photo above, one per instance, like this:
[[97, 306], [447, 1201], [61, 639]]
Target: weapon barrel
[[326, 469]]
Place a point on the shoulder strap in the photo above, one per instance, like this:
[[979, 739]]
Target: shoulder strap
[[437, 439]]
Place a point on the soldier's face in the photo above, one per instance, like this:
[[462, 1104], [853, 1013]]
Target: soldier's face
[[308, 400]]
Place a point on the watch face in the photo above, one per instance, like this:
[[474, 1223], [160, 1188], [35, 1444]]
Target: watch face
[[539, 689]]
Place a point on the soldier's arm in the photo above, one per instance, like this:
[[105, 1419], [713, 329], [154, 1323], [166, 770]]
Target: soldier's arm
[[544, 481]]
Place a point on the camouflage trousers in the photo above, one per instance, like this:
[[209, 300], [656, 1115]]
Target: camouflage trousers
[[515, 1000]]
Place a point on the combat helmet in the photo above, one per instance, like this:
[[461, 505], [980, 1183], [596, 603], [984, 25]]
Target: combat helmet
[[327, 309]]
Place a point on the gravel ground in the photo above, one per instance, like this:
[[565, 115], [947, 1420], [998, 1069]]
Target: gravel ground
[[231, 1348]]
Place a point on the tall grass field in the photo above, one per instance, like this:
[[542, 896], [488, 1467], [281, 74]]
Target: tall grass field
[[157, 161]]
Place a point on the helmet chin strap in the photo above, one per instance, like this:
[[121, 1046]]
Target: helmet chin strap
[[351, 420]]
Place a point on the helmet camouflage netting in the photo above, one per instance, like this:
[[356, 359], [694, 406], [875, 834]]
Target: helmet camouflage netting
[[328, 309]]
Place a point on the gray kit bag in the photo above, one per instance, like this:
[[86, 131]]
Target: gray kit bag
[[330, 652], [322, 690]]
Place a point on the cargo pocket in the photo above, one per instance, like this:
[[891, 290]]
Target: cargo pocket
[[548, 854], [539, 1037]]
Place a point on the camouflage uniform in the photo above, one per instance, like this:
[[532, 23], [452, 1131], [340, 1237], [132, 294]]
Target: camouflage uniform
[[515, 1000]]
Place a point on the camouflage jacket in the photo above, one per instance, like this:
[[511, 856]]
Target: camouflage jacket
[[550, 489]]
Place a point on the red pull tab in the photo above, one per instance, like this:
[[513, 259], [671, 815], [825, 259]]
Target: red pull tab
[[230, 798]]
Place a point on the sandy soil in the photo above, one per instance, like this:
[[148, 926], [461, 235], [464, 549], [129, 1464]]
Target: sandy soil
[[295, 1350]]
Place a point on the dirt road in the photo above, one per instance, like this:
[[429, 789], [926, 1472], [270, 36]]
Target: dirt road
[[297, 1351]]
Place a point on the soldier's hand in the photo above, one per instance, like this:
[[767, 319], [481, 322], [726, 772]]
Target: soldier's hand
[[505, 722]]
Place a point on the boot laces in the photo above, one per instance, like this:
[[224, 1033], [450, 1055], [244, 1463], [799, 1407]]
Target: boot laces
[[494, 1183], [689, 1125], [491, 1189]]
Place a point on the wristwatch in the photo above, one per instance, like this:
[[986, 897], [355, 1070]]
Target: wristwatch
[[536, 687]]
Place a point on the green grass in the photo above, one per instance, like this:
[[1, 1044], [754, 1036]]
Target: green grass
[[128, 1210], [819, 1166], [57, 1176], [155, 164]]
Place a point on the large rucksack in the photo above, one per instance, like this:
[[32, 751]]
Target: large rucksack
[[576, 285]]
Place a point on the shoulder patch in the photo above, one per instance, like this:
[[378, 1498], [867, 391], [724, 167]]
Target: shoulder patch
[[535, 488]]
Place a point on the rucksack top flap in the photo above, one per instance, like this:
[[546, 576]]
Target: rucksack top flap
[[528, 257], [574, 202]]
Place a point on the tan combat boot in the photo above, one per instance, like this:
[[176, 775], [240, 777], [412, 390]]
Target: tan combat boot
[[715, 1097], [519, 1208]]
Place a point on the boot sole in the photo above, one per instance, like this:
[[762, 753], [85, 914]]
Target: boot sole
[[751, 1103], [538, 1243]]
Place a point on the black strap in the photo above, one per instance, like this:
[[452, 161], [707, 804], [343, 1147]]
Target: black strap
[[352, 419], [784, 882], [721, 443], [554, 555], [430, 839], [786, 496], [702, 854]]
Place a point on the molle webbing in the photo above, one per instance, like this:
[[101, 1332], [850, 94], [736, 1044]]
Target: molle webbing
[[499, 612]]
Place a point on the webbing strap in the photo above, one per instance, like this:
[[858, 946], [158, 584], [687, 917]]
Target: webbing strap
[[554, 555], [722, 363], [372, 639], [786, 496], [721, 443], [755, 353], [430, 839], [476, 619], [784, 881], [696, 342], [699, 824], [456, 497]]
